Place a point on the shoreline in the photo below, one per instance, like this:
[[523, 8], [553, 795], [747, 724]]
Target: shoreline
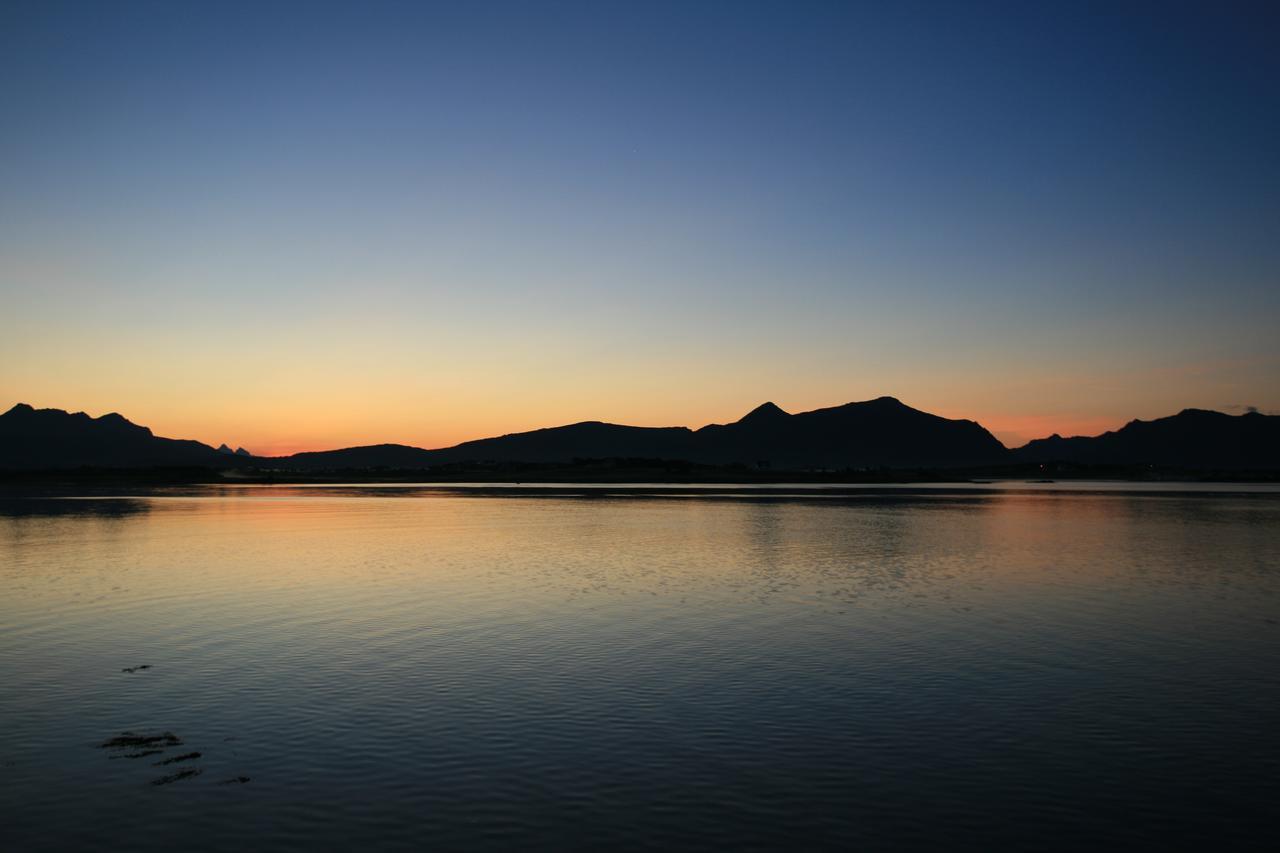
[[636, 476]]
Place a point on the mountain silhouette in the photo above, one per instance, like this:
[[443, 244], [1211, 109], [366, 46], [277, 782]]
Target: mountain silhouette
[[882, 433], [875, 433], [52, 438], [367, 456], [1193, 438], [764, 413]]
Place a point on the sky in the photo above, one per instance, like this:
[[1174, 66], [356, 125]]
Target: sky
[[312, 225]]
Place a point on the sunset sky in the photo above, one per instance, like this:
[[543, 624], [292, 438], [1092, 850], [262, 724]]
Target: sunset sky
[[302, 226]]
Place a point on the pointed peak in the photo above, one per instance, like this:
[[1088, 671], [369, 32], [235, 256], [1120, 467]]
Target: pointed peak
[[222, 448], [21, 409], [240, 451], [765, 411]]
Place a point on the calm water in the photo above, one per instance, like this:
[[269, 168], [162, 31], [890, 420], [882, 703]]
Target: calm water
[[395, 668]]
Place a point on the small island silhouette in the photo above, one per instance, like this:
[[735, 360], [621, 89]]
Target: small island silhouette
[[880, 435]]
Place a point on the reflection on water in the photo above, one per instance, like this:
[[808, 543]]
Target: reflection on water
[[386, 667], [85, 507]]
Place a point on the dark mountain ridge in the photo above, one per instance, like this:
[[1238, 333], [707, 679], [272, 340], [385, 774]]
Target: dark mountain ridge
[[879, 433], [875, 434], [52, 438], [1193, 438], [585, 440]]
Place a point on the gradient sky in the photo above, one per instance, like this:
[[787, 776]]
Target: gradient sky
[[298, 226]]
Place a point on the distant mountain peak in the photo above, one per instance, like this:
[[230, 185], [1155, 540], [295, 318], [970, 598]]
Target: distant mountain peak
[[763, 412], [240, 451], [45, 419], [1191, 439], [222, 448], [48, 439]]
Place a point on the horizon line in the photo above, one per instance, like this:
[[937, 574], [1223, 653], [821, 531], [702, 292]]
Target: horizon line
[[883, 397]]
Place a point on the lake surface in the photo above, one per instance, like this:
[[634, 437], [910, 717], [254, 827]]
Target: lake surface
[[397, 668]]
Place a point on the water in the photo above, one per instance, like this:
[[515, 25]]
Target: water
[[394, 668]]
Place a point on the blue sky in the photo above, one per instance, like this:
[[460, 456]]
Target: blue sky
[[300, 225]]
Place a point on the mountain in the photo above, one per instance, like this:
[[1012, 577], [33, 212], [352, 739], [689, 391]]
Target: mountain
[[880, 433], [876, 433], [1193, 438], [52, 438], [370, 456], [587, 440]]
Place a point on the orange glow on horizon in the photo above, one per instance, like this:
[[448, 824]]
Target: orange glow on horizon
[[1017, 430]]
